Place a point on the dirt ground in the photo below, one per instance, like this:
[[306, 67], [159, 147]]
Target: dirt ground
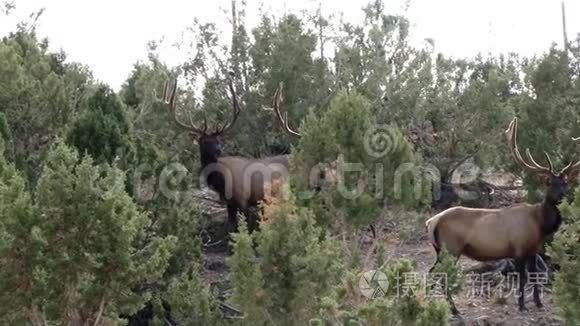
[[476, 309]]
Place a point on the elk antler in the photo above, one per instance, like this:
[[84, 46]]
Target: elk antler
[[169, 98], [572, 170], [236, 106], [530, 165], [283, 120]]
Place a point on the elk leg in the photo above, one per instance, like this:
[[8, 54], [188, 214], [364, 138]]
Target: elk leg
[[498, 267], [452, 306], [521, 269], [437, 251], [232, 227], [454, 309], [373, 231], [533, 268], [436, 260], [252, 220], [232, 219]]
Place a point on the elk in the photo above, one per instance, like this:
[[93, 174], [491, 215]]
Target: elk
[[239, 181], [516, 232]]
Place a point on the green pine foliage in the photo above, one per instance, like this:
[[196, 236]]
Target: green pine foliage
[[402, 300], [92, 231], [162, 153], [449, 267], [39, 95], [247, 279], [565, 252], [156, 139], [368, 178], [191, 300], [103, 130], [549, 116], [84, 240], [282, 281], [22, 246]]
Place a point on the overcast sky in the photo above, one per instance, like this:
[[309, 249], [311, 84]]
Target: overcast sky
[[111, 35]]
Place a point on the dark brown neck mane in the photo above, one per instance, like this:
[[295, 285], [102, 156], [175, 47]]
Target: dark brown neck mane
[[551, 216], [214, 179]]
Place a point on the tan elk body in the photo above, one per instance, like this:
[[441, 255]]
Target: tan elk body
[[488, 234], [247, 180]]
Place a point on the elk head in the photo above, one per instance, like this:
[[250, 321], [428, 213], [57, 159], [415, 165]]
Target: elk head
[[556, 181], [209, 141]]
